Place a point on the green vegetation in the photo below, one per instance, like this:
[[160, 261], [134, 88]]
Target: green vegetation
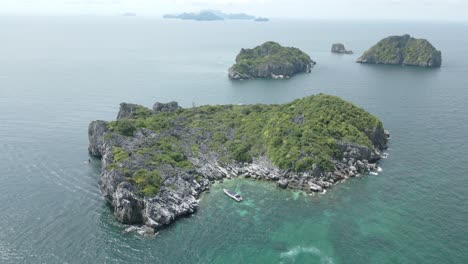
[[119, 155], [403, 50], [294, 136], [124, 126], [419, 51], [167, 151], [270, 53], [148, 182]]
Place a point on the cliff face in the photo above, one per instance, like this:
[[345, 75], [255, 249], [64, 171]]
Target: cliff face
[[270, 60], [155, 175], [403, 50]]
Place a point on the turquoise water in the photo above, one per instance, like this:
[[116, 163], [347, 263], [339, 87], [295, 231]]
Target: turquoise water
[[57, 74]]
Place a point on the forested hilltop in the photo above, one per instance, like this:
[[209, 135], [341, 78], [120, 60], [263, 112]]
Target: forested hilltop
[[270, 60], [403, 50]]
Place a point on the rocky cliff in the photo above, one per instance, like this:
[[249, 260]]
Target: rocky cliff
[[270, 60], [155, 174], [403, 50]]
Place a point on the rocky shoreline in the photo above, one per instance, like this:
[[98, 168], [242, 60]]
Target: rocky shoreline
[[179, 192]]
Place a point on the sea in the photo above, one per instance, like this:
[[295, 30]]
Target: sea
[[59, 73]]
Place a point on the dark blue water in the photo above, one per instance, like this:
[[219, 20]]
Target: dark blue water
[[57, 74]]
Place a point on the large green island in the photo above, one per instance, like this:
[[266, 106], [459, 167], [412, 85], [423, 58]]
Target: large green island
[[156, 162], [403, 50], [270, 60]]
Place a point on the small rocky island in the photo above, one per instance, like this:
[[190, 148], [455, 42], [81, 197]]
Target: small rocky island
[[156, 162], [270, 60], [340, 49], [403, 50]]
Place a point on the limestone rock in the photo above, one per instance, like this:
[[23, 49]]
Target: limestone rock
[[403, 50], [270, 60], [340, 49]]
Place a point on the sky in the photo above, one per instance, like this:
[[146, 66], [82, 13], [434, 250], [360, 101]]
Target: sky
[[436, 10]]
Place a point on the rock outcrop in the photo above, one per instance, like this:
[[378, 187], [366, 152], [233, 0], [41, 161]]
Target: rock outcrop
[[168, 107], [340, 49], [270, 60], [403, 50], [155, 176]]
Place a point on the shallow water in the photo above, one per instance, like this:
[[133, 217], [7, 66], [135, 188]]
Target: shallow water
[[57, 74]]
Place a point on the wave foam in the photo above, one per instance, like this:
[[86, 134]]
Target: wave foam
[[294, 252]]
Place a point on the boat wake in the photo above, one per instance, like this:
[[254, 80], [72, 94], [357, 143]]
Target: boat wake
[[292, 254]]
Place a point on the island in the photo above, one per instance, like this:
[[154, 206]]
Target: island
[[403, 50], [340, 49], [202, 16], [209, 15], [261, 19], [270, 60], [156, 162], [129, 14]]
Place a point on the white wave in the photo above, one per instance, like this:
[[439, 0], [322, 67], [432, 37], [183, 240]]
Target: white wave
[[379, 169], [294, 252], [373, 173]]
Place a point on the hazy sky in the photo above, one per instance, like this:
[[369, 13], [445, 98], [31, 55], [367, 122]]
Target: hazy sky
[[356, 9]]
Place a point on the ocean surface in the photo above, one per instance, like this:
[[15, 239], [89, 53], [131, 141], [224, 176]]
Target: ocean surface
[[57, 74]]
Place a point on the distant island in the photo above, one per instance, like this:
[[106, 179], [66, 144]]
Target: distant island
[[209, 15], [156, 162], [340, 49], [261, 19], [129, 14], [270, 60], [403, 50]]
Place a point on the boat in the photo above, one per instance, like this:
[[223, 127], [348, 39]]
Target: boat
[[233, 195]]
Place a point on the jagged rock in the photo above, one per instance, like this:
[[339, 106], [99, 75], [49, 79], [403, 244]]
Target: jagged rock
[[294, 183], [372, 167], [146, 231], [351, 151], [127, 110], [387, 133], [316, 171], [127, 206], [340, 48], [324, 184], [379, 137], [96, 131], [361, 167], [314, 187], [168, 107], [283, 183]]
